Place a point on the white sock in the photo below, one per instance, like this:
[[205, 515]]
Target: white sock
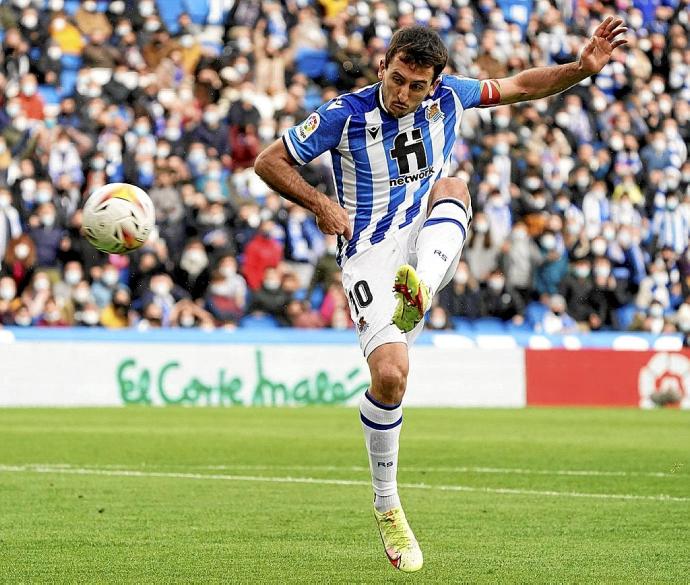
[[381, 424], [440, 240]]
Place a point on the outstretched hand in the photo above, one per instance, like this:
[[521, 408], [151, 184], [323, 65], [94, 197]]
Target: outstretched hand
[[598, 49]]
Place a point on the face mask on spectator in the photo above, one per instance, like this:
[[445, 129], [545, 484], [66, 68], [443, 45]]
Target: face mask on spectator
[[493, 179], [186, 41], [562, 119], [617, 143], [656, 311], [581, 271], [21, 123], [599, 247], [89, 5], [660, 278], [671, 203], [141, 129], [81, 295], [501, 148], [502, 121], [271, 284], [657, 86], [146, 8], [123, 30], [160, 289], [481, 227], [659, 144], [532, 183], [56, 5], [196, 156], [163, 152], [110, 277], [211, 118], [22, 320], [228, 270], [151, 25], [548, 241], [220, 288], [54, 53], [59, 24], [437, 322], [172, 134], [496, 283], [187, 320], [625, 239], [116, 7], [21, 251], [41, 284], [461, 277], [7, 293], [195, 256], [602, 271], [72, 277], [90, 317], [13, 110], [48, 219], [5, 201], [29, 21], [609, 233]]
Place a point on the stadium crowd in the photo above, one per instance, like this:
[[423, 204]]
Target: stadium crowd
[[582, 202]]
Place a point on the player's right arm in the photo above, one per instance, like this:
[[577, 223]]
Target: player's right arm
[[276, 166]]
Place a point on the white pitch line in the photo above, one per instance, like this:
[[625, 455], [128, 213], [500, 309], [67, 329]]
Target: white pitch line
[[360, 468], [323, 481]]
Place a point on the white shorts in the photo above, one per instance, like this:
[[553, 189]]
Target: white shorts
[[368, 279]]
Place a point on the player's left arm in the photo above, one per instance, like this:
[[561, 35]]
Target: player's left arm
[[540, 82]]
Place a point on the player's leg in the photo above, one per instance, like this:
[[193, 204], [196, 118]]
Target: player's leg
[[367, 280], [438, 247], [381, 416]]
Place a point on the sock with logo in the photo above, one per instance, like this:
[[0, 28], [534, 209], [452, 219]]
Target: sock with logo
[[440, 240], [381, 424]]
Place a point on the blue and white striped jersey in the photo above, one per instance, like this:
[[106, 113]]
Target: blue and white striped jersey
[[383, 167]]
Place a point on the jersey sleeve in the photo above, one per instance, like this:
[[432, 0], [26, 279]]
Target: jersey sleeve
[[468, 90], [320, 132]]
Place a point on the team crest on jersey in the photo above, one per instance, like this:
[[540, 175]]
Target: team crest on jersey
[[434, 113], [308, 127]]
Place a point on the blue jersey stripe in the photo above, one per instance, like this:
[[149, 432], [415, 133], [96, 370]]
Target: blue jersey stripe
[[365, 192], [390, 128], [423, 188]]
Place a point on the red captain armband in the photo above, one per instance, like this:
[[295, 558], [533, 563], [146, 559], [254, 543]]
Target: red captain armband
[[489, 92]]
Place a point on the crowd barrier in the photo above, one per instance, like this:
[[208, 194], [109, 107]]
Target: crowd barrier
[[95, 367]]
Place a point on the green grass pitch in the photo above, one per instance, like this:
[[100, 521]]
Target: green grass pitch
[[281, 496]]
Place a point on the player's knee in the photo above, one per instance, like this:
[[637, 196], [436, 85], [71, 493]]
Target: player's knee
[[390, 379], [450, 187]]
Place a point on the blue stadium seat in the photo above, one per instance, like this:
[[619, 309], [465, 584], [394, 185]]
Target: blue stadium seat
[[625, 315], [49, 94], [535, 312], [71, 62], [197, 10], [316, 297], [462, 324], [489, 325], [513, 328], [169, 11], [71, 6], [311, 62], [259, 322], [68, 79]]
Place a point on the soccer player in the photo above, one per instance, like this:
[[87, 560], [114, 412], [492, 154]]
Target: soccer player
[[401, 221]]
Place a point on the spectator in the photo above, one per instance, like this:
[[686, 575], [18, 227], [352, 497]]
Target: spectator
[[271, 298], [553, 266], [556, 320], [227, 293], [461, 298], [481, 251], [117, 314], [262, 252], [499, 301]]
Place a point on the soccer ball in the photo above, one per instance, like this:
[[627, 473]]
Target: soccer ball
[[118, 218]]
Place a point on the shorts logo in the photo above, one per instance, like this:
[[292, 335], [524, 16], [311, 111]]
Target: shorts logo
[[434, 113], [362, 325], [308, 127]]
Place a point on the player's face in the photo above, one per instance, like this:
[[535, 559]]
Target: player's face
[[405, 86]]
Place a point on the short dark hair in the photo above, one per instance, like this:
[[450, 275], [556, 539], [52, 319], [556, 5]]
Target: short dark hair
[[420, 46]]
